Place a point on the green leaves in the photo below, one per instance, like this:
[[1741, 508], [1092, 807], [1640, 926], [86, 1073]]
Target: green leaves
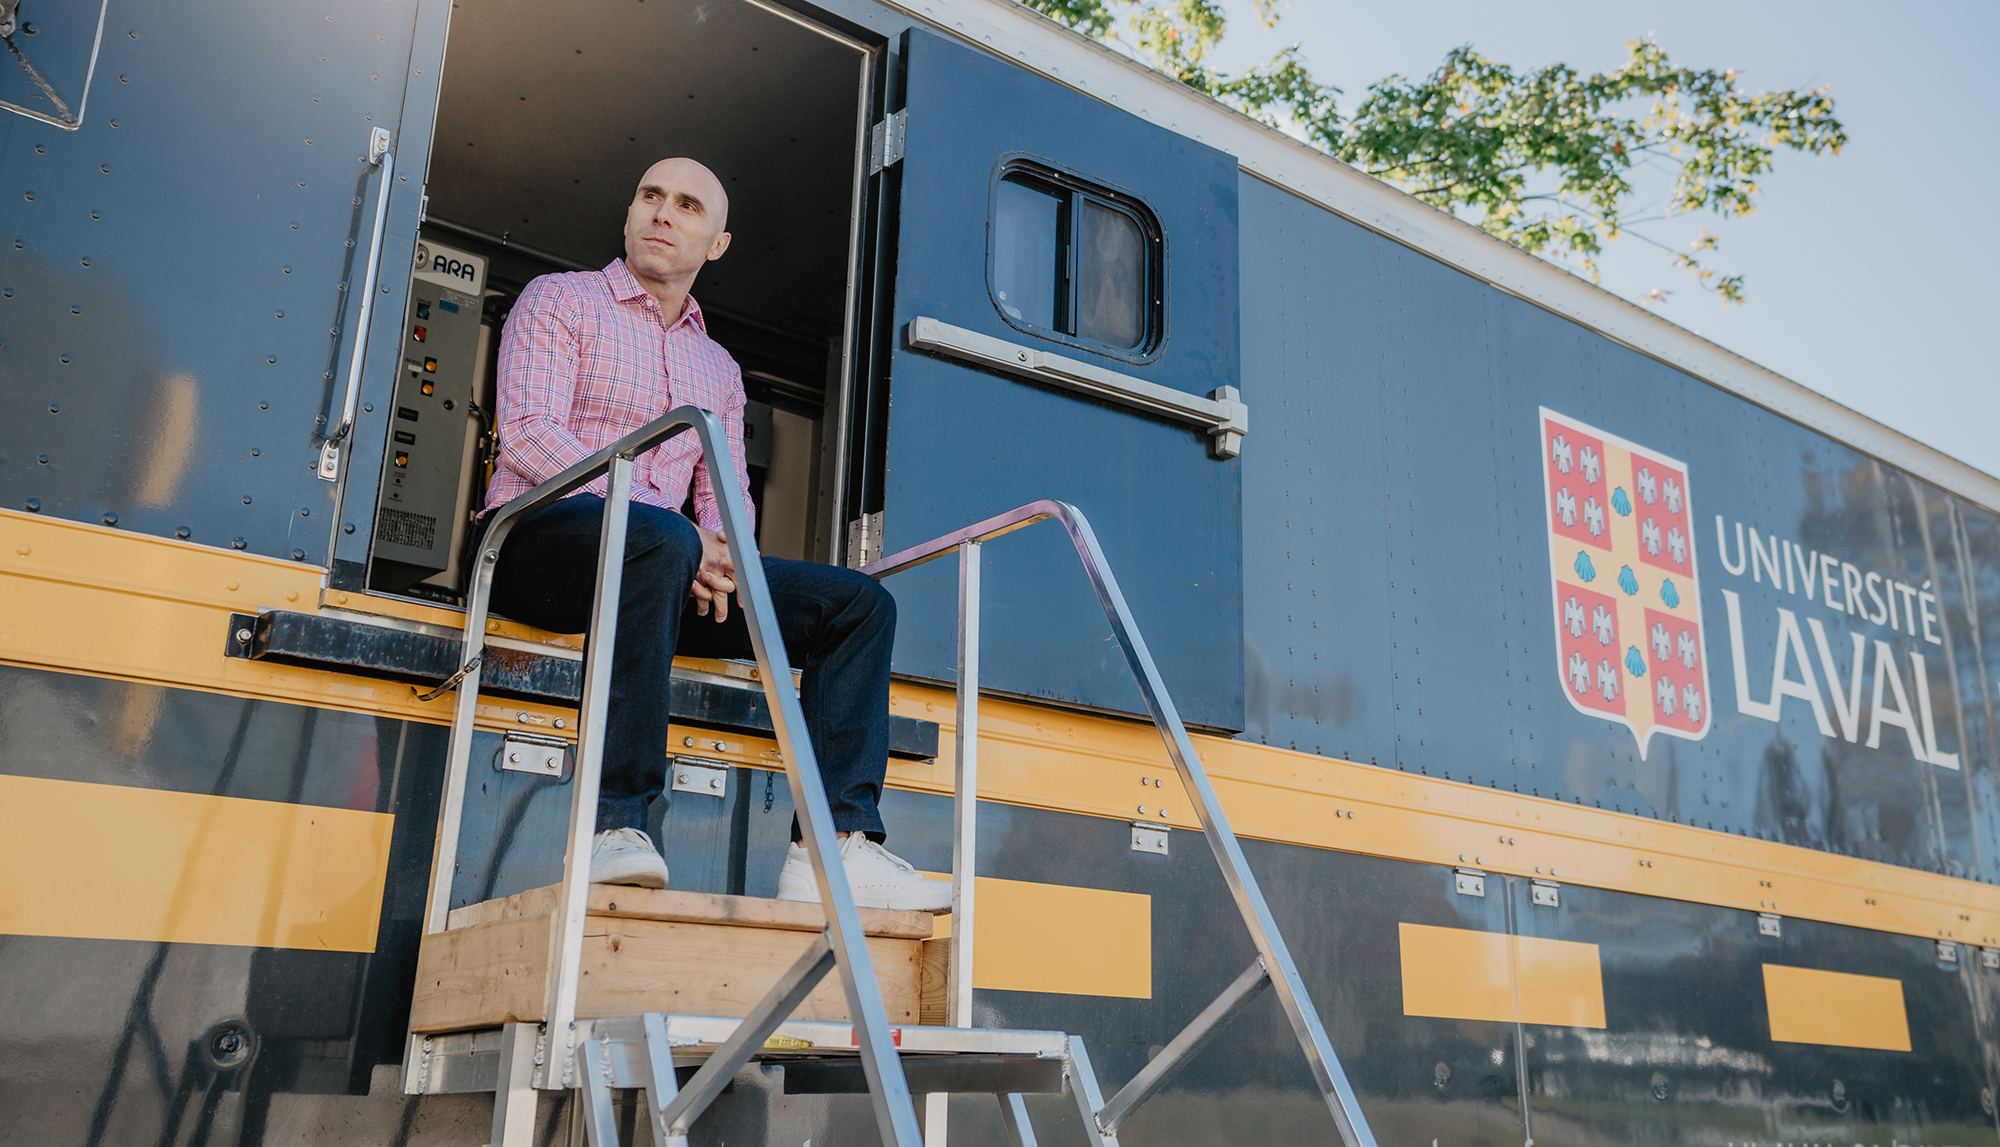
[[1543, 159]]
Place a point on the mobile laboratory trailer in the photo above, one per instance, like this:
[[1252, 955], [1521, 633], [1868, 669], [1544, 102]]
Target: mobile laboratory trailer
[[1608, 720]]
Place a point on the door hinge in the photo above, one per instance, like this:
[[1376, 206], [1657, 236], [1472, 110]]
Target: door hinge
[[885, 141], [864, 540]]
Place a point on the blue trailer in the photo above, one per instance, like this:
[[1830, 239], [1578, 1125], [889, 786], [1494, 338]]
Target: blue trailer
[[1607, 719]]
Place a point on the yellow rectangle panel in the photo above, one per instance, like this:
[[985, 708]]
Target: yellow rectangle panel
[[1059, 939], [1462, 974], [1836, 1009], [112, 862]]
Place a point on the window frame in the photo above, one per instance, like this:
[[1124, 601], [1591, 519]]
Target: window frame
[[1072, 186]]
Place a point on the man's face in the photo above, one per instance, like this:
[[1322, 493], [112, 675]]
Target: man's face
[[675, 222]]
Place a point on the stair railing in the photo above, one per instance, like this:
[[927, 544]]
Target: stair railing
[[842, 946], [1273, 966]]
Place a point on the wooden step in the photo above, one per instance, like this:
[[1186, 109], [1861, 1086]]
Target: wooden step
[[650, 950]]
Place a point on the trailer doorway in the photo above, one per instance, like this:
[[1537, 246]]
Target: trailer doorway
[[545, 121]]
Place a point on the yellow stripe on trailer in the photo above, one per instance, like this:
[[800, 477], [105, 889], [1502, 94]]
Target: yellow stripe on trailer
[[1464, 974], [1836, 1009], [1059, 939], [109, 862]]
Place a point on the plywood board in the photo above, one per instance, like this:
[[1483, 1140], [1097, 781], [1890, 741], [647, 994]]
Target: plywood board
[[495, 972], [693, 908]]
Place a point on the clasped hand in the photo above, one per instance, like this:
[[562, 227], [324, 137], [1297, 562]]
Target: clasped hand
[[715, 581]]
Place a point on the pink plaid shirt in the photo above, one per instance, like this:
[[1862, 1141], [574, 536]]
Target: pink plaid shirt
[[587, 357]]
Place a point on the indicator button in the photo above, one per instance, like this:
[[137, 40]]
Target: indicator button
[[430, 366], [423, 309], [429, 386], [402, 459], [420, 333]]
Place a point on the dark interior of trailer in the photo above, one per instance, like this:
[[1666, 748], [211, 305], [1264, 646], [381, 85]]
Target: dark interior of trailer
[[545, 122]]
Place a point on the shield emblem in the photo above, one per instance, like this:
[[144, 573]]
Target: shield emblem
[[1626, 595]]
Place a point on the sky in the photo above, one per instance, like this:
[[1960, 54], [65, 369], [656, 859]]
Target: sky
[[1866, 283]]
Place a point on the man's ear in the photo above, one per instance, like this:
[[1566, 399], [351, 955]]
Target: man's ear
[[720, 245]]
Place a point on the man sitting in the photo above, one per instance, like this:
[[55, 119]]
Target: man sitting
[[588, 357]]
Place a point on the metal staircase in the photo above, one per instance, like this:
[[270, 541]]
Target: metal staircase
[[592, 1056]]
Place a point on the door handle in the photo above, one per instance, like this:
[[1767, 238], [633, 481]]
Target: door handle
[[1222, 415], [329, 453]]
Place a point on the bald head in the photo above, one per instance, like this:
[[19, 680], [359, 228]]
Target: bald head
[[677, 222]]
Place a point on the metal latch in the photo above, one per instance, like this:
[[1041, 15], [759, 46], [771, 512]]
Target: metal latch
[[885, 141], [1947, 952], [1989, 957], [1469, 882], [1770, 924], [695, 775], [864, 539], [1545, 893], [527, 753], [1149, 837]]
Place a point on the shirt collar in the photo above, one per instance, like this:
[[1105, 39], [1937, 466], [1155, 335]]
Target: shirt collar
[[625, 288]]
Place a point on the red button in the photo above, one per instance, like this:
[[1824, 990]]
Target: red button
[[419, 334]]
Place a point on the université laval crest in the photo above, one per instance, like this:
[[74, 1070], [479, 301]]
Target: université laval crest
[[1627, 598]]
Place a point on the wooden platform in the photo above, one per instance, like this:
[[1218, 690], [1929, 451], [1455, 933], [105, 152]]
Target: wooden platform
[[651, 950]]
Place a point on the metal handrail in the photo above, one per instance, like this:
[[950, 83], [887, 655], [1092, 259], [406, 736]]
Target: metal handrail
[[1273, 955], [844, 942]]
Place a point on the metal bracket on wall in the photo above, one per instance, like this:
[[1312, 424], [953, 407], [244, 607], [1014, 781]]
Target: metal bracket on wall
[[694, 775], [1222, 415], [528, 753], [1770, 924], [1545, 893], [1466, 882], [1148, 837], [885, 141]]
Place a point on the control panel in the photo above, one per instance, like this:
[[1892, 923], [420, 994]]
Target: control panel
[[433, 421]]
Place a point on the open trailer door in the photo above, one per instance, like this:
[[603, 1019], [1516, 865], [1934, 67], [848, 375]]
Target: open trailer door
[[1065, 304]]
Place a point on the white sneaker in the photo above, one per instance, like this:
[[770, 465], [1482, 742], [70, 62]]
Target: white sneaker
[[626, 856], [879, 878]]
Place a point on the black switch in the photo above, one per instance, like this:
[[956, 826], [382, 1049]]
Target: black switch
[[406, 438], [406, 412]]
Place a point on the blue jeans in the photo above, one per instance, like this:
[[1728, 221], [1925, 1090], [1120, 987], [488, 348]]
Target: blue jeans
[[838, 625]]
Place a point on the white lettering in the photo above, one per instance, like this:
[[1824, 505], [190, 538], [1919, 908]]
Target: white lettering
[[1923, 678], [1850, 584], [1847, 708], [1762, 710], [1885, 671], [1760, 561], [1722, 546], [1924, 602], [1790, 585], [1829, 566], [1792, 643], [1808, 568], [1909, 610], [1881, 613]]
